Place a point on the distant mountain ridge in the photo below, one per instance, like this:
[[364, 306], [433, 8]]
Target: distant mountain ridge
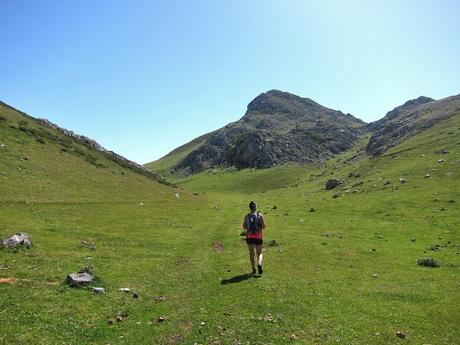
[[409, 119], [280, 127]]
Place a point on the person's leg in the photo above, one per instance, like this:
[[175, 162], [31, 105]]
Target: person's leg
[[251, 248], [260, 258]]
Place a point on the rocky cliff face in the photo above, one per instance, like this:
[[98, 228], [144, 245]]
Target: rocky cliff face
[[409, 119], [278, 127]]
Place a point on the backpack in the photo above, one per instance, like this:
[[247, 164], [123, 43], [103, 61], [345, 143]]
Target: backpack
[[253, 223]]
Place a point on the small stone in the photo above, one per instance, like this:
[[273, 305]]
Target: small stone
[[375, 275], [374, 250], [119, 318], [110, 322], [126, 290], [427, 176], [99, 290], [312, 209], [135, 295], [202, 323], [412, 239], [332, 183], [402, 180], [177, 195], [160, 298], [377, 334], [441, 160], [293, 336], [400, 334], [161, 319], [274, 207]]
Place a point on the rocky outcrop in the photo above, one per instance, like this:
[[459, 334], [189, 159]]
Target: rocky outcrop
[[407, 120], [18, 239], [278, 127]]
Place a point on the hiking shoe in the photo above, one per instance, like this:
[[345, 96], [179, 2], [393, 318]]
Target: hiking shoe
[[259, 267], [254, 272]]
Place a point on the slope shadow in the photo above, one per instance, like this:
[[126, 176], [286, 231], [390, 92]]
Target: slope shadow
[[237, 279]]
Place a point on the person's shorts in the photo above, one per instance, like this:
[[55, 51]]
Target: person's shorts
[[255, 241]]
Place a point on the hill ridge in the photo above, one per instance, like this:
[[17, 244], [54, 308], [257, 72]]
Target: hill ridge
[[92, 144]]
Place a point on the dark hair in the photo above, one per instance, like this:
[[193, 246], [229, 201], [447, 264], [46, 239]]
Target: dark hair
[[252, 205]]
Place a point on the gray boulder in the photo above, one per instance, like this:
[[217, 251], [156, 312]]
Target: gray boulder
[[79, 279], [20, 238]]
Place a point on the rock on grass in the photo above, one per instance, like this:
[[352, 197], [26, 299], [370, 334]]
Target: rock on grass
[[79, 279]]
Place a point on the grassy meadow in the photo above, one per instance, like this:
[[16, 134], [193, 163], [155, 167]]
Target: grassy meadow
[[343, 271]]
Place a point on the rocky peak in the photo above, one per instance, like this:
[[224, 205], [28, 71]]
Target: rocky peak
[[418, 101], [276, 101], [398, 111]]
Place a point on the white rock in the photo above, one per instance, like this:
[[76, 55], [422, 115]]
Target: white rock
[[99, 290]]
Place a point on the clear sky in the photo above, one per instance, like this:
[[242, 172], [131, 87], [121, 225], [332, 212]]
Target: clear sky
[[143, 77]]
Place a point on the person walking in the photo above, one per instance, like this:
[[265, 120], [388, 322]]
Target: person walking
[[254, 224]]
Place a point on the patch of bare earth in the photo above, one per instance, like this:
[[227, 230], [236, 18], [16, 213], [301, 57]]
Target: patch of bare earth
[[218, 246]]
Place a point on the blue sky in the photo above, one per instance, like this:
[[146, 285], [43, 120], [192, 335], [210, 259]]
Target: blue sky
[[143, 77]]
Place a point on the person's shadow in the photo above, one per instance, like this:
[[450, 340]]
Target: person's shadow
[[237, 279]]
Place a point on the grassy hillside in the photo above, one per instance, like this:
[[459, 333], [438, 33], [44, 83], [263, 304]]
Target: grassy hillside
[[343, 274], [40, 163], [164, 164]]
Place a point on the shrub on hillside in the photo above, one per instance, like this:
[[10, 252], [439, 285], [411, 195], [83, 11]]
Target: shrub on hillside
[[428, 262]]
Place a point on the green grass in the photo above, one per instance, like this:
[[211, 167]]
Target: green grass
[[318, 283]]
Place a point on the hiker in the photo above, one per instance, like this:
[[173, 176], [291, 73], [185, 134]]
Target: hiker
[[254, 224]]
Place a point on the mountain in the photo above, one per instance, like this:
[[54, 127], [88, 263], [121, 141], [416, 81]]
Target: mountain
[[278, 127], [409, 119]]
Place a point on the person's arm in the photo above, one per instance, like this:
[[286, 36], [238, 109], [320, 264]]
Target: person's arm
[[244, 223], [262, 220]]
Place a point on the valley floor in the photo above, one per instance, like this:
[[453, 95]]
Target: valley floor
[[342, 273]]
